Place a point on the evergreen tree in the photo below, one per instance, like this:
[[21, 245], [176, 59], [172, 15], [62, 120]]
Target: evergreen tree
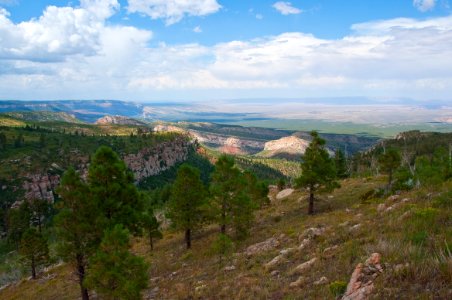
[[114, 272], [318, 171], [389, 162], [341, 164], [76, 225], [112, 188], [40, 211], [152, 227], [230, 202], [185, 206], [19, 141], [257, 190], [3, 141], [34, 250], [18, 222]]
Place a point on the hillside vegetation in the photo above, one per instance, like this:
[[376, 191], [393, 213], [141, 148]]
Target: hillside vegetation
[[412, 232], [198, 224]]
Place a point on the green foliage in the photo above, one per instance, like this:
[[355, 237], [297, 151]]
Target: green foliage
[[33, 249], [151, 225], [389, 162], [112, 189], [223, 247], [433, 169], [188, 196], [318, 169], [337, 288], [281, 184], [3, 140], [18, 222], [114, 272], [257, 190], [231, 203], [340, 163]]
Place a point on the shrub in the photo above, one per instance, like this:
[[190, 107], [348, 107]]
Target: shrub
[[338, 288]]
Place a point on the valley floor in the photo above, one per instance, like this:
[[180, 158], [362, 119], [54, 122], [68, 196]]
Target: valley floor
[[412, 232]]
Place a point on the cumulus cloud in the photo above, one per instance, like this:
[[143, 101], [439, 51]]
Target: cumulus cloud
[[286, 8], [74, 51], [172, 11], [424, 5], [59, 32], [197, 29]]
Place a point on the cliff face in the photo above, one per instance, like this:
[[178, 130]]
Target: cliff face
[[118, 120], [152, 161], [147, 162]]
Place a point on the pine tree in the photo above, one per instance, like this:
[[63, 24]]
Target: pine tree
[[76, 227], [231, 203], [18, 222], [185, 206], [389, 162], [114, 272], [152, 227], [318, 171], [111, 186], [40, 212], [34, 250], [341, 164], [3, 141]]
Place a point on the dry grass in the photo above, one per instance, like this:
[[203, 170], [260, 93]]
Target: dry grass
[[412, 269]]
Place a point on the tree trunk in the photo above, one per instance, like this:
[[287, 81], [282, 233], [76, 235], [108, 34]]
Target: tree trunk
[[33, 268], [81, 277], [311, 203], [188, 238], [151, 242], [388, 188]]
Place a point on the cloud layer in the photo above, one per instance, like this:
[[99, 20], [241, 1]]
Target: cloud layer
[[74, 52], [286, 8], [172, 11], [424, 5]]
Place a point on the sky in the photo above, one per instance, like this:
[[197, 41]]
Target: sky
[[203, 50]]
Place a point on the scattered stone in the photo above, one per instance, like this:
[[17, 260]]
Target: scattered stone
[[304, 244], [405, 200], [275, 273], [359, 215], [330, 197], [381, 207], [284, 193], [300, 282], [311, 233], [301, 268], [200, 288], [355, 227], [404, 215], [264, 246], [229, 268], [346, 223], [322, 280], [393, 198], [287, 251], [361, 283], [276, 261], [331, 249]]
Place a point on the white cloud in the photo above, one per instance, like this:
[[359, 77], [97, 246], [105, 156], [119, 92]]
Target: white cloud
[[197, 29], [286, 8], [424, 5], [74, 52], [173, 10], [259, 16], [59, 32]]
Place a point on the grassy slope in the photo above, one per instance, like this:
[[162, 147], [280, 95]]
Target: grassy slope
[[179, 274]]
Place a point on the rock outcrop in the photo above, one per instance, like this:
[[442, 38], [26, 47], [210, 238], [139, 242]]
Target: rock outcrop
[[287, 145], [152, 161], [118, 120], [361, 283], [38, 186]]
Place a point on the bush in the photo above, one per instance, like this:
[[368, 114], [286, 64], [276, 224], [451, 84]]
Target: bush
[[338, 288]]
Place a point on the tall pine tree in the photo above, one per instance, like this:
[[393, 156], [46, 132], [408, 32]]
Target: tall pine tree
[[188, 195], [318, 170]]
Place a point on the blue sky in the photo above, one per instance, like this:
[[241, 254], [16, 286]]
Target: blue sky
[[217, 49]]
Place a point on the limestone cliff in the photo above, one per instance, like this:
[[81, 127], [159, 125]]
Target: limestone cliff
[[147, 162]]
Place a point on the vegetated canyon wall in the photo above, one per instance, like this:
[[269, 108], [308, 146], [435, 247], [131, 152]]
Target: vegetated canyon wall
[[147, 162]]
